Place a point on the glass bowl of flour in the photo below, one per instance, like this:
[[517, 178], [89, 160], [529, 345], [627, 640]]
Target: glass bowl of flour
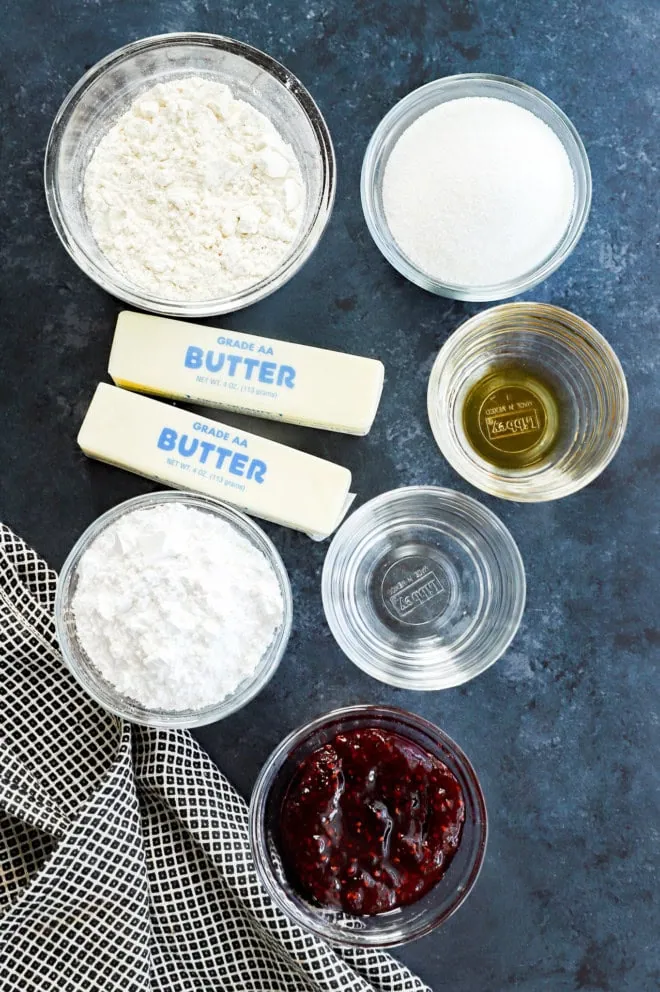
[[173, 610], [189, 174], [476, 187]]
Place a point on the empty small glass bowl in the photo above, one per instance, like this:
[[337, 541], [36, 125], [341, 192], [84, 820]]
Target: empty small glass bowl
[[423, 588], [89, 677], [107, 91], [585, 420], [399, 119], [399, 925]]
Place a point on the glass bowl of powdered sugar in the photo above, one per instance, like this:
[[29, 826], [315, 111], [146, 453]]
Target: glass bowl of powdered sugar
[[476, 187], [189, 174], [173, 610]]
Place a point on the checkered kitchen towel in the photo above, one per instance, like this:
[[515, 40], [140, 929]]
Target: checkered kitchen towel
[[124, 856]]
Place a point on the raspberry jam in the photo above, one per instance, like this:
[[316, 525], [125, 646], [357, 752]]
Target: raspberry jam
[[369, 822]]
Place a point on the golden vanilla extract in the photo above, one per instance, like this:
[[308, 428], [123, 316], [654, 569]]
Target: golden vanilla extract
[[511, 417]]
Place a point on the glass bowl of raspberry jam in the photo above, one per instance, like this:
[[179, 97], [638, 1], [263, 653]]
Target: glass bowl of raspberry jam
[[368, 826]]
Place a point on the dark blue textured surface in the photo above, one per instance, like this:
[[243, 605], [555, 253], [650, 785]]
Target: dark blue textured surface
[[563, 730]]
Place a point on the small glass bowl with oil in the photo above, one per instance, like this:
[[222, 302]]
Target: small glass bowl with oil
[[528, 402]]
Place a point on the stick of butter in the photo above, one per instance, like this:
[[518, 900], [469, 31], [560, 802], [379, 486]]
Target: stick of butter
[[234, 371], [184, 451]]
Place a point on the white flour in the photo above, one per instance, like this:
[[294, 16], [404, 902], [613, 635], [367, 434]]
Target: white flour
[[478, 191], [194, 195], [174, 607]]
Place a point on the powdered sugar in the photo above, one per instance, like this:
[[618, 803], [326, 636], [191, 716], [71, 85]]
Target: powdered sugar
[[194, 195], [174, 607], [478, 191]]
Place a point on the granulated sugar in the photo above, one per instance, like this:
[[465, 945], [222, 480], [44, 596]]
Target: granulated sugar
[[175, 607], [478, 191]]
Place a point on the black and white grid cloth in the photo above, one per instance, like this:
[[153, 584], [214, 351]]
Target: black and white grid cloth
[[124, 855]]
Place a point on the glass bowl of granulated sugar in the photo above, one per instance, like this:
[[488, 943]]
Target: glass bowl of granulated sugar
[[189, 174], [476, 187], [173, 610]]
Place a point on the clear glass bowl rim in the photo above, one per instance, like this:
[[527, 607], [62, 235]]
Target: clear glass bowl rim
[[176, 718], [257, 813], [117, 285], [403, 110], [336, 620], [482, 478]]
